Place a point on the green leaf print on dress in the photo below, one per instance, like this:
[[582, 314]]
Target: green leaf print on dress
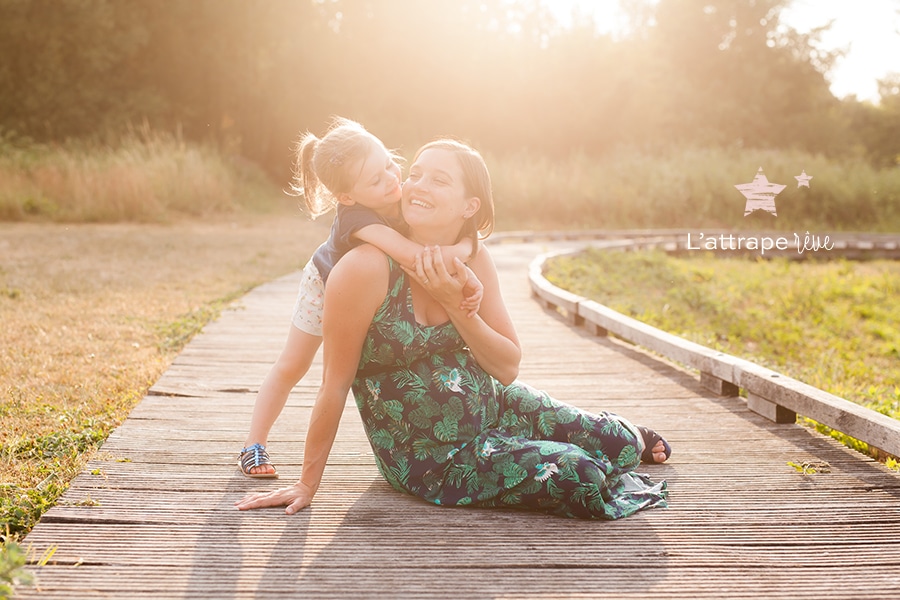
[[513, 474], [453, 409], [566, 415], [546, 423], [612, 427], [405, 332], [423, 447], [628, 456], [446, 430], [400, 471], [549, 448], [383, 439], [394, 409]]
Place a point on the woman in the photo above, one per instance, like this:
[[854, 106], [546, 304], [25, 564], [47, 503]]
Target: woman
[[436, 389]]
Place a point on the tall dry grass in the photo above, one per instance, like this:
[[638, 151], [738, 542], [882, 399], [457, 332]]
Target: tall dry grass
[[153, 177], [691, 188], [143, 177]]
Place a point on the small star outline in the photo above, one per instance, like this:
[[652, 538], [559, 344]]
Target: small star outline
[[803, 179]]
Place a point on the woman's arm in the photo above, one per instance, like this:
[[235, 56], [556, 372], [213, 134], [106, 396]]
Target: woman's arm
[[356, 288], [490, 335]]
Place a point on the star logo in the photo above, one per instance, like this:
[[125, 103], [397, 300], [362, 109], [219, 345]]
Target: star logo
[[802, 179], [760, 194]]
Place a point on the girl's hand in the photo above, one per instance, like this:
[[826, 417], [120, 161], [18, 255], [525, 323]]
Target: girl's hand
[[473, 290], [295, 498]]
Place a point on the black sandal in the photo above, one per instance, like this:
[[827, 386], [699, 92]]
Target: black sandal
[[255, 456], [650, 439]]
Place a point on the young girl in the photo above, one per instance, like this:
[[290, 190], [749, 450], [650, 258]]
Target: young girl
[[351, 169]]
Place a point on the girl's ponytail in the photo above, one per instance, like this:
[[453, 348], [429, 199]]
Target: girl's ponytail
[[327, 167], [305, 181]]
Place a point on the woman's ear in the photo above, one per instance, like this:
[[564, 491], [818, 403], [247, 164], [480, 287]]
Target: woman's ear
[[472, 206]]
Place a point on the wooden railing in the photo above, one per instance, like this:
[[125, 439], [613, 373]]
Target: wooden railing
[[770, 394]]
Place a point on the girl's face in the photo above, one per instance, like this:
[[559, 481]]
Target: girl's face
[[378, 184], [434, 195]]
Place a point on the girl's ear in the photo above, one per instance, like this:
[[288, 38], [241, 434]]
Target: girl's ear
[[472, 206], [345, 199]]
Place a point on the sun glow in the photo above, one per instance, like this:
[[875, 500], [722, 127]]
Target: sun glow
[[867, 30]]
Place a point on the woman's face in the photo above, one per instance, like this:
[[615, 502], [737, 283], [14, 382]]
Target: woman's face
[[434, 195]]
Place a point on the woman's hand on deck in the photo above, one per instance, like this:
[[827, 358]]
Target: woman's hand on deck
[[295, 498]]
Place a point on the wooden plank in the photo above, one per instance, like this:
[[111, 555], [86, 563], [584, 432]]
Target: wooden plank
[[650, 578]]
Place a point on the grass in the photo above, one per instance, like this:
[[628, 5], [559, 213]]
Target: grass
[[151, 177], [12, 573], [92, 316], [143, 176], [834, 325], [690, 188], [13, 560]]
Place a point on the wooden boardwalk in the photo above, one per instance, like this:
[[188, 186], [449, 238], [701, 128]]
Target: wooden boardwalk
[[152, 515]]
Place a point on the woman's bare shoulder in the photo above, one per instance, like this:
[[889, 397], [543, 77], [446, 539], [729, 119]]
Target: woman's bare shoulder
[[483, 263], [366, 256], [364, 263]]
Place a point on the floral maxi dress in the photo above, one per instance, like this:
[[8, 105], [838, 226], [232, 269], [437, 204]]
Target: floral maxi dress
[[444, 430]]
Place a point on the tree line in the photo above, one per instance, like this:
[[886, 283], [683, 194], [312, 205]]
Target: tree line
[[250, 75]]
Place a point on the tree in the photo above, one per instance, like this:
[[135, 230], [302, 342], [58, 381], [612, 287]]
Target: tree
[[729, 73], [63, 65]]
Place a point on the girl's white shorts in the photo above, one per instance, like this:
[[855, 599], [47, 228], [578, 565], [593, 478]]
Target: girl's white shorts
[[310, 300]]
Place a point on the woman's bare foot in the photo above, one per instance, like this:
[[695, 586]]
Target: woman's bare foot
[[656, 448], [659, 452]]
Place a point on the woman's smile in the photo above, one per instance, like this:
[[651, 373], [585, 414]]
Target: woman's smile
[[422, 203]]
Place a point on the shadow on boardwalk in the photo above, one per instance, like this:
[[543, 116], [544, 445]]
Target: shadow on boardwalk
[[742, 522], [394, 546]]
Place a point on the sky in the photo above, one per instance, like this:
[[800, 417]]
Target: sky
[[869, 30]]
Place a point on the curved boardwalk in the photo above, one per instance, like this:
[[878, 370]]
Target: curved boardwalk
[[152, 515]]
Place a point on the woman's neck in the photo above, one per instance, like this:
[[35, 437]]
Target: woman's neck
[[429, 237]]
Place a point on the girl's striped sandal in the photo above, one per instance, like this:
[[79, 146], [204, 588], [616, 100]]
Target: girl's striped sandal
[[255, 456]]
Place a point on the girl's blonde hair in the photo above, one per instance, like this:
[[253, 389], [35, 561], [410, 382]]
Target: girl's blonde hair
[[327, 167], [477, 182]]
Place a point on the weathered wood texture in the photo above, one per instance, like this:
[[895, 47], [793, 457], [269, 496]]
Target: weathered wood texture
[[152, 515]]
